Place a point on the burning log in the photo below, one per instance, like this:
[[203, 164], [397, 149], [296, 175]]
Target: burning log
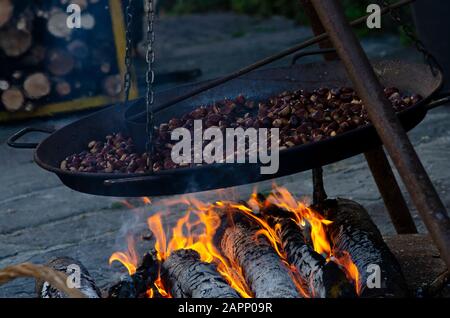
[[13, 99], [36, 86], [263, 269], [353, 234], [137, 285], [189, 277], [69, 266], [323, 279]]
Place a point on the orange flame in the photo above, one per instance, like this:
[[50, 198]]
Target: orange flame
[[161, 289], [155, 225], [350, 269], [266, 230], [196, 229], [129, 259], [302, 214]]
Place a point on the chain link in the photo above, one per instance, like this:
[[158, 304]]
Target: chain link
[[128, 48], [150, 74], [409, 32], [149, 58]]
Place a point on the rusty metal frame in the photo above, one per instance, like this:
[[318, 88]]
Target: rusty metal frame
[[376, 159], [390, 191], [396, 141]]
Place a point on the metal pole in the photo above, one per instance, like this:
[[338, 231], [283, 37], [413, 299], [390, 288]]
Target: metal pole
[[319, 193], [318, 28], [376, 159], [390, 191], [382, 115]]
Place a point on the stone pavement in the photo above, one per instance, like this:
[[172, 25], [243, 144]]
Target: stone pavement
[[40, 218]]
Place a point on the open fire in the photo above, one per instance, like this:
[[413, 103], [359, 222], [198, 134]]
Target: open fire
[[233, 237]]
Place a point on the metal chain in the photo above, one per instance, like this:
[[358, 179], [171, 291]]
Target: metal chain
[[150, 74], [409, 32], [128, 48]]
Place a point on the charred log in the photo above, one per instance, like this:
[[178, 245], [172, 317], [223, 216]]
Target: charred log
[[353, 234], [70, 267], [189, 277], [323, 279], [137, 285], [264, 271]]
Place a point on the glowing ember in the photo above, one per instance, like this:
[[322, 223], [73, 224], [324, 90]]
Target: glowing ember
[[345, 261], [161, 289], [197, 227]]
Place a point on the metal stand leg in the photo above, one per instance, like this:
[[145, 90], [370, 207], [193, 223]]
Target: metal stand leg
[[318, 28], [319, 194], [390, 191], [389, 128], [376, 159]]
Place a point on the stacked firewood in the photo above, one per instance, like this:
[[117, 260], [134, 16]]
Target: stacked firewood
[[43, 60]]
